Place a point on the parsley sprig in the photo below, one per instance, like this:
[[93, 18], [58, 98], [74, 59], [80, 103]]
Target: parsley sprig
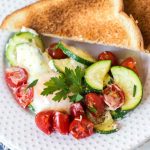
[[69, 84]]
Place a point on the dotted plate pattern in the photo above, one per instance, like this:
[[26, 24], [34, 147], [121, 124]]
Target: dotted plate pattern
[[19, 132]]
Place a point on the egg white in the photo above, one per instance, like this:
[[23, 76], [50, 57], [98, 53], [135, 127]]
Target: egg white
[[30, 58], [45, 102]]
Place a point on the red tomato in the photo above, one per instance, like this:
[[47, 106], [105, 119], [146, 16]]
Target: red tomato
[[81, 128], [16, 76], [95, 103], [56, 53], [44, 121], [76, 110], [108, 56], [130, 63], [61, 122], [113, 96], [24, 95]]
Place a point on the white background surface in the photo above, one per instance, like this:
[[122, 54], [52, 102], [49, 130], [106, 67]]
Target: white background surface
[[23, 134]]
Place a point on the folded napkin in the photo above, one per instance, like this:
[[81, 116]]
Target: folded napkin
[[3, 147]]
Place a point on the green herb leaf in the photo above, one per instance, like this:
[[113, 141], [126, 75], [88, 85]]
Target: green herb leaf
[[69, 82], [55, 84], [31, 108], [60, 95], [32, 84], [92, 109], [134, 90], [76, 98]]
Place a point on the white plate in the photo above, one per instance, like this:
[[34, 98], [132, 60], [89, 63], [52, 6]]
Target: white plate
[[17, 127]]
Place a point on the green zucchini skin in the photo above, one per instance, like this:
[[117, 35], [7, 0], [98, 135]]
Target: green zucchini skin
[[78, 58], [59, 65], [108, 125], [118, 114], [95, 74], [88, 89], [126, 79], [18, 38], [105, 132]]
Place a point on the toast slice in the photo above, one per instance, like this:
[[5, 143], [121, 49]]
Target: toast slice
[[141, 12], [94, 21]]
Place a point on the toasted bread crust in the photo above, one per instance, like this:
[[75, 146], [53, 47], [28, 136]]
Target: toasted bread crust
[[95, 21], [140, 10]]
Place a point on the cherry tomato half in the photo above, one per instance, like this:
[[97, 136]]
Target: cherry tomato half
[[76, 110], [108, 56], [130, 63], [56, 53], [95, 103], [114, 97], [16, 76], [81, 128], [44, 121], [24, 95], [61, 122]]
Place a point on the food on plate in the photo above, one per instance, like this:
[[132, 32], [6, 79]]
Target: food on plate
[[140, 11], [129, 82], [130, 63], [114, 96], [15, 41], [59, 65], [95, 103], [107, 126], [108, 56], [16, 76], [61, 122], [77, 94], [95, 74], [108, 24], [55, 52], [76, 109], [81, 128], [44, 121], [24, 95], [77, 54]]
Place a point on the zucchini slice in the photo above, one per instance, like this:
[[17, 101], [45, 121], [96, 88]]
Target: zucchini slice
[[59, 65], [30, 58], [95, 74], [21, 37], [77, 54], [107, 126], [130, 83], [118, 113]]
